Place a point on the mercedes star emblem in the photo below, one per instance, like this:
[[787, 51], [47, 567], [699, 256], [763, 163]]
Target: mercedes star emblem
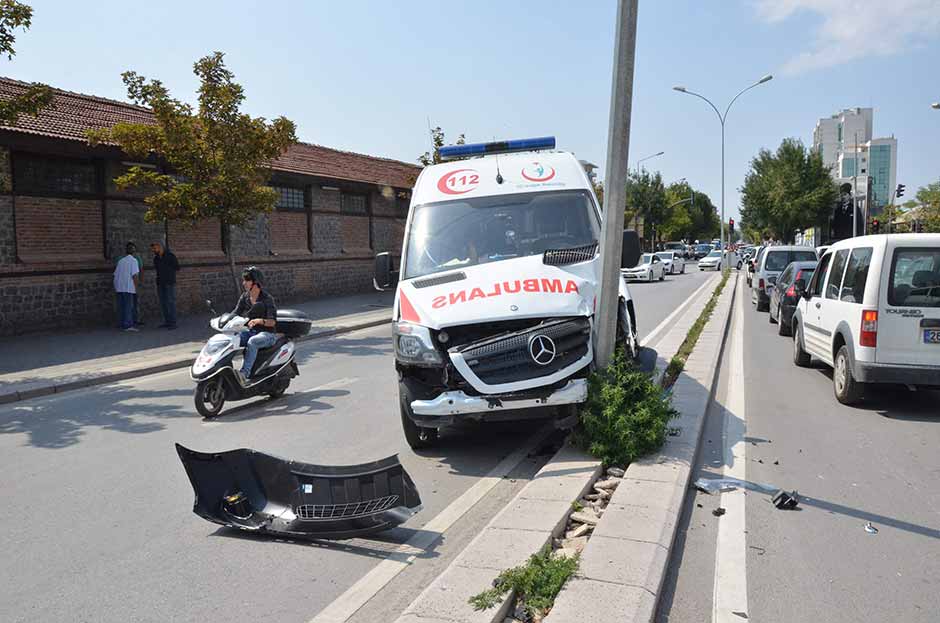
[[542, 349], [513, 308]]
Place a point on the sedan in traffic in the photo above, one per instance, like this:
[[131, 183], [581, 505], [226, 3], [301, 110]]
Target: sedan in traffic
[[786, 293], [673, 262], [649, 268], [712, 261]]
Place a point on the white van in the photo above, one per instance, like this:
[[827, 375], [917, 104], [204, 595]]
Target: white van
[[497, 287], [872, 313]]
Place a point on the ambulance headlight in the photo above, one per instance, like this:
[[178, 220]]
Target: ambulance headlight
[[413, 344]]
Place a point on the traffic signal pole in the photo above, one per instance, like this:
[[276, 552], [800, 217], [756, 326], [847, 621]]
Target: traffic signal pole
[[615, 191]]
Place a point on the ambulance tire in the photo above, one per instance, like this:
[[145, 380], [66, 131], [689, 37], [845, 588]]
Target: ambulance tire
[[417, 437]]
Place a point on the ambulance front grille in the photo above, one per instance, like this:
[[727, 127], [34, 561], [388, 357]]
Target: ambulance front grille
[[509, 359]]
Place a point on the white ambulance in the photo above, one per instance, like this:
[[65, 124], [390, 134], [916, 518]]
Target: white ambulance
[[497, 287]]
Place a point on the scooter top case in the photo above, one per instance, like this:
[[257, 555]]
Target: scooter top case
[[254, 491]]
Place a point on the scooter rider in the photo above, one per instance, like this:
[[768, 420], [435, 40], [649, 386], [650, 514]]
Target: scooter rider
[[258, 306]]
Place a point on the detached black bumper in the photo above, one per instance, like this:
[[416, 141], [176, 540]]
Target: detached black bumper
[[258, 492], [921, 376]]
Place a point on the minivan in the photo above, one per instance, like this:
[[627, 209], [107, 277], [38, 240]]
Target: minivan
[[872, 312]]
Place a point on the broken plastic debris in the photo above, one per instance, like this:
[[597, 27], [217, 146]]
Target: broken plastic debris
[[714, 485], [786, 500], [870, 529], [718, 485]]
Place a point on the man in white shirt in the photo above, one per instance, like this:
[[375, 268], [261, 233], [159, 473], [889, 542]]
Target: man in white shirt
[[125, 284]]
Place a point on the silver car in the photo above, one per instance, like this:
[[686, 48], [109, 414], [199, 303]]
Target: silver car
[[769, 267]]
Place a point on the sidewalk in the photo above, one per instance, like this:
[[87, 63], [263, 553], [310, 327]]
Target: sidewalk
[[47, 363]]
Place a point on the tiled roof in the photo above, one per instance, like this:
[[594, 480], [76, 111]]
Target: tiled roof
[[74, 113]]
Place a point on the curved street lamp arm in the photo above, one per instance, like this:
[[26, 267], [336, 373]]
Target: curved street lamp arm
[[708, 101], [743, 91]]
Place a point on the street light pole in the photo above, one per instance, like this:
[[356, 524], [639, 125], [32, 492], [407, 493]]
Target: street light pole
[[721, 120], [618, 144]]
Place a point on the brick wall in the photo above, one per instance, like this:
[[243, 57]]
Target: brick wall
[[355, 231], [387, 234], [202, 239], [7, 233], [253, 239], [66, 301], [58, 230], [125, 223], [289, 232], [327, 234]]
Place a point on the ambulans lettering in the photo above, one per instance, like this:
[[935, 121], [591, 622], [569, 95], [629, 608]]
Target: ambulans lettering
[[543, 286]]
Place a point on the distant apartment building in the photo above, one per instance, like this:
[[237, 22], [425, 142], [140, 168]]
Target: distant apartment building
[[859, 162]]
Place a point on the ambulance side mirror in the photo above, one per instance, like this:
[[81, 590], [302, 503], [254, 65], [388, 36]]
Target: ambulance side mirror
[[630, 251], [385, 277]]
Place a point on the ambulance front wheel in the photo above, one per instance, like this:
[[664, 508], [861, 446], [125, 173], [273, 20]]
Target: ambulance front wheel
[[418, 437]]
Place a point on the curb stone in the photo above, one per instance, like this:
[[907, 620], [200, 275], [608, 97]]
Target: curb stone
[[625, 561], [40, 389]]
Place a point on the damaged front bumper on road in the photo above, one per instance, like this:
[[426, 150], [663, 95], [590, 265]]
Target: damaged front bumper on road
[[459, 403], [253, 491]]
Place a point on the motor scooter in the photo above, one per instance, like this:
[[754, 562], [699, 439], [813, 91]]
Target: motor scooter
[[214, 372]]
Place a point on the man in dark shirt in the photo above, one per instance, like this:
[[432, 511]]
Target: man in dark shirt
[[258, 306], [166, 266]]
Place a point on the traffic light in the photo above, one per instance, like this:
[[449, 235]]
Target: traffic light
[[900, 191], [731, 224], [875, 226]]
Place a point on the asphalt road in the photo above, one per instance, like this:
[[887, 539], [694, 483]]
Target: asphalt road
[[877, 463], [96, 515]]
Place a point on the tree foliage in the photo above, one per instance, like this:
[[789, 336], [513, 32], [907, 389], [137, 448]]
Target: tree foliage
[[437, 141], [787, 190], [929, 212], [666, 214], [15, 15], [219, 158]]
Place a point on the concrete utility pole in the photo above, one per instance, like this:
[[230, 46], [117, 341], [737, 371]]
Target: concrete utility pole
[[618, 145]]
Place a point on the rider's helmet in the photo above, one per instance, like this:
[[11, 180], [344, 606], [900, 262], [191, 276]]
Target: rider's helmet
[[254, 274]]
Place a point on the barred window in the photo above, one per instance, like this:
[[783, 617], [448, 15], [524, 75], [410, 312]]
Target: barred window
[[290, 198], [403, 201], [41, 175], [354, 204]]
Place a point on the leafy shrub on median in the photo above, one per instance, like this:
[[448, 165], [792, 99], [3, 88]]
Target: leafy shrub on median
[[536, 583], [626, 415]]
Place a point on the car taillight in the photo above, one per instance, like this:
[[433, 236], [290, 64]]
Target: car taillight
[[791, 291], [760, 284], [868, 336]]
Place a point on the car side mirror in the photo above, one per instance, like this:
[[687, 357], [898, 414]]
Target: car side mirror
[[385, 277]]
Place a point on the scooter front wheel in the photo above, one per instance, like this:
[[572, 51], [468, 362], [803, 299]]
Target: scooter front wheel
[[210, 397]]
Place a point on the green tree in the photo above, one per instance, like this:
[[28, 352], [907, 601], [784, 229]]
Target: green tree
[[220, 158], [705, 222], [437, 140], [787, 190], [929, 213], [646, 198], [15, 15], [678, 222]]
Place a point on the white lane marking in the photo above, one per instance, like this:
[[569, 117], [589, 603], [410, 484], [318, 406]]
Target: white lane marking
[[356, 596], [730, 592], [343, 382], [662, 325]]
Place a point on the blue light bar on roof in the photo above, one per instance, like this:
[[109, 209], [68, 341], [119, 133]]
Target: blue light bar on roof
[[499, 147]]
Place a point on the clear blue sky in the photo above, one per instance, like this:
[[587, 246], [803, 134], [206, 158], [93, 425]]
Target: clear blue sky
[[365, 76]]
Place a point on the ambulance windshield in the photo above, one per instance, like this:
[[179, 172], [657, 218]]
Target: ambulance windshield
[[465, 232]]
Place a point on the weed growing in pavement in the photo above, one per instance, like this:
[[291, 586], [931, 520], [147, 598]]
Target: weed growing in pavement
[[678, 362], [536, 583], [577, 506], [625, 416]]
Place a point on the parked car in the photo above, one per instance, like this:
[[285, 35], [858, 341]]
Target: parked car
[[649, 268], [769, 267], [820, 251], [678, 247], [784, 297], [872, 313], [752, 264], [673, 261], [701, 250], [712, 261], [744, 254]]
